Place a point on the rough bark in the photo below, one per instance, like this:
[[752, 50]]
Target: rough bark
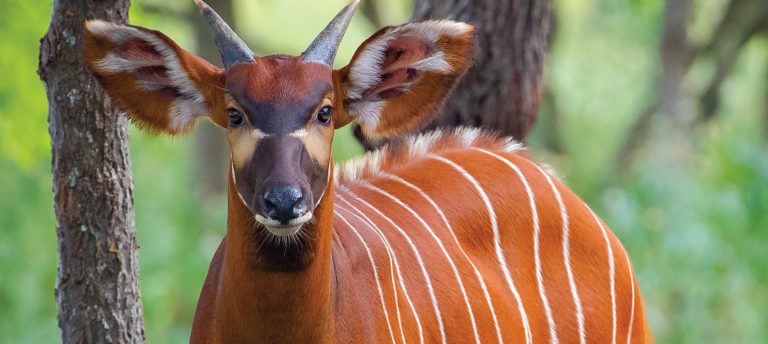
[[503, 89], [97, 286]]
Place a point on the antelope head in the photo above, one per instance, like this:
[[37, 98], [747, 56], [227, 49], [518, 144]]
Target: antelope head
[[280, 111]]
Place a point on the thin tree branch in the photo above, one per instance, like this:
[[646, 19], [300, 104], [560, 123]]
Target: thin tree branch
[[676, 57], [742, 21], [370, 8], [637, 133]]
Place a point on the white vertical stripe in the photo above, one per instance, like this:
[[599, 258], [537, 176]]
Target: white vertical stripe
[[567, 257], [391, 272], [631, 285], [392, 266], [390, 251], [536, 244], [419, 260], [375, 274], [612, 273], [479, 276], [442, 248], [497, 242]]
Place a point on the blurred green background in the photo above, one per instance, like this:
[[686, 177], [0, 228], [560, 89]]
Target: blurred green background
[[690, 204]]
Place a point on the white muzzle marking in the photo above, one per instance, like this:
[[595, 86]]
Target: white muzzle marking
[[284, 230]]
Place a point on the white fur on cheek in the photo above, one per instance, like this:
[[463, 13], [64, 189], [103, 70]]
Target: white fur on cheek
[[242, 145]]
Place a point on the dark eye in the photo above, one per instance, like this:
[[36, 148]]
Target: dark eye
[[235, 117], [324, 115]]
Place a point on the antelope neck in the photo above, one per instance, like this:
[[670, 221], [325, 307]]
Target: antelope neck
[[280, 295]]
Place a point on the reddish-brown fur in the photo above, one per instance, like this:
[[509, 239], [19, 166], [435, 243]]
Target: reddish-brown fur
[[149, 109], [336, 299], [274, 78], [333, 295], [416, 107]]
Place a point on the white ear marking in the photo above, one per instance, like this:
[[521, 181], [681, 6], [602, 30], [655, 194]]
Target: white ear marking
[[366, 70], [183, 112], [113, 63], [151, 85], [189, 105], [368, 113], [434, 63], [436, 28]]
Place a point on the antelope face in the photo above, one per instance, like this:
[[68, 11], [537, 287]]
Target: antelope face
[[280, 132], [279, 124], [279, 111]]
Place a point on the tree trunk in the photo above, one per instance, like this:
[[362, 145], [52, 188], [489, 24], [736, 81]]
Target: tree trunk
[[503, 89], [97, 286], [743, 19]]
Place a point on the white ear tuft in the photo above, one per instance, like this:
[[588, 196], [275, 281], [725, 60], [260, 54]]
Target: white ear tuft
[[183, 114], [399, 78], [168, 58], [367, 69], [154, 64]]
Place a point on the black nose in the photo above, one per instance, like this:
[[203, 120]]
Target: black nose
[[284, 203]]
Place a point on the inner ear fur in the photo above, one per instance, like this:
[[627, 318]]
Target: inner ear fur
[[162, 87], [399, 78]]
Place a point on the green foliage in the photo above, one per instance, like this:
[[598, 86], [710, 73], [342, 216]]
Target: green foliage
[[27, 226], [692, 210], [23, 104]]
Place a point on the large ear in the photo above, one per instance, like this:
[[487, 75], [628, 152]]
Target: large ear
[[161, 86], [399, 78]]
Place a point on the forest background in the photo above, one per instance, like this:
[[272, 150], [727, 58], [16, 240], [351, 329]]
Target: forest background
[[681, 176]]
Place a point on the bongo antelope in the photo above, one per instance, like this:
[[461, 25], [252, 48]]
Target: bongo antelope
[[451, 236]]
